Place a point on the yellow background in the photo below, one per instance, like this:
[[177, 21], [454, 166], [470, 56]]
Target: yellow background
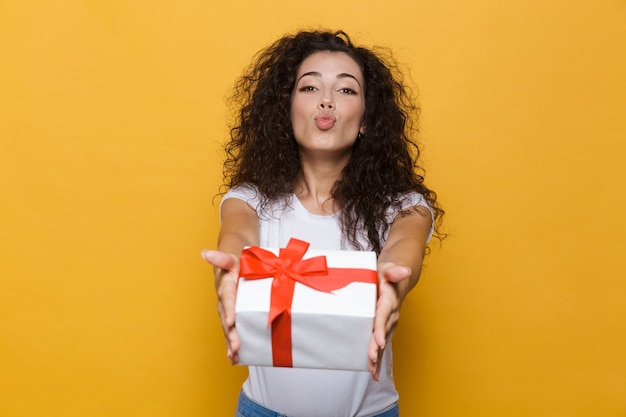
[[111, 115]]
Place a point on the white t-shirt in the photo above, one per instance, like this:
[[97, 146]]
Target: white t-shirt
[[299, 392]]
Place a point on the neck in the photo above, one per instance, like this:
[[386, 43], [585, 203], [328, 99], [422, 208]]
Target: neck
[[314, 186]]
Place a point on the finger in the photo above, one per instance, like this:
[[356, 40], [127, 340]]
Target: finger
[[233, 345], [383, 312], [372, 353], [376, 374], [231, 337], [396, 273], [227, 294], [219, 259], [375, 358]]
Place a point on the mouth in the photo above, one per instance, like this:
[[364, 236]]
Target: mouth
[[325, 120]]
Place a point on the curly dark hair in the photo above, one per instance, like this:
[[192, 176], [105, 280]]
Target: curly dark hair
[[384, 162]]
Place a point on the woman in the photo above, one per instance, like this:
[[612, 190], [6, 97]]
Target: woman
[[323, 150]]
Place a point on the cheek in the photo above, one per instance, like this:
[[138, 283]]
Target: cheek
[[357, 109], [298, 113], [295, 108], [359, 115]]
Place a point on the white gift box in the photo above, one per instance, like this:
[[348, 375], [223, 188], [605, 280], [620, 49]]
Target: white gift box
[[330, 330]]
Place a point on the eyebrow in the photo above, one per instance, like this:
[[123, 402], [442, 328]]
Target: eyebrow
[[318, 74]]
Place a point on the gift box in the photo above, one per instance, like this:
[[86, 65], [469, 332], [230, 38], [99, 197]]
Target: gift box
[[306, 308]]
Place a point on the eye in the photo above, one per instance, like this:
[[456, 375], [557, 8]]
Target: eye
[[307, 88], [347, 90]]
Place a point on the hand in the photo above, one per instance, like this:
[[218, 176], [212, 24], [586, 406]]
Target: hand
[[387, 311], [226, 276]]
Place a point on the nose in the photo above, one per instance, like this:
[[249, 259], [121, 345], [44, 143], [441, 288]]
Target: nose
[[326, 103]]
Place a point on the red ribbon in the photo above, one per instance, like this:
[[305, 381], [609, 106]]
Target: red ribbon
[[287, 268]]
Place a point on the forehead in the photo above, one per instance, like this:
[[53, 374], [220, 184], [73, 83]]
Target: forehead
[[330, 63]]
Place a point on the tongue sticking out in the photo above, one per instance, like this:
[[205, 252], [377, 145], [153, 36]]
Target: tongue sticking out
[[324, 123]]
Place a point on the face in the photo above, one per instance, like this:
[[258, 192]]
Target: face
[[328, 103]]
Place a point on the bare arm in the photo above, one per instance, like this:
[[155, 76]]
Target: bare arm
[[240, 228], [399, 269]]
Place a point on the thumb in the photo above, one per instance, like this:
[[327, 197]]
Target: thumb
[[396, 273], [219, 259]]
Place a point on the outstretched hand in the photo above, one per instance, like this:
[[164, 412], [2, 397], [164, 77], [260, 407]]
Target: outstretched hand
[[226, 275], [387, 311]]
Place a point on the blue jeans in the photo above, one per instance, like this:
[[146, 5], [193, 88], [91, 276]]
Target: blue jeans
[[248, 408]]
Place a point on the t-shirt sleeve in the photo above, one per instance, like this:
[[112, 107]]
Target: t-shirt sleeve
[[246, 193], [412, 200]]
